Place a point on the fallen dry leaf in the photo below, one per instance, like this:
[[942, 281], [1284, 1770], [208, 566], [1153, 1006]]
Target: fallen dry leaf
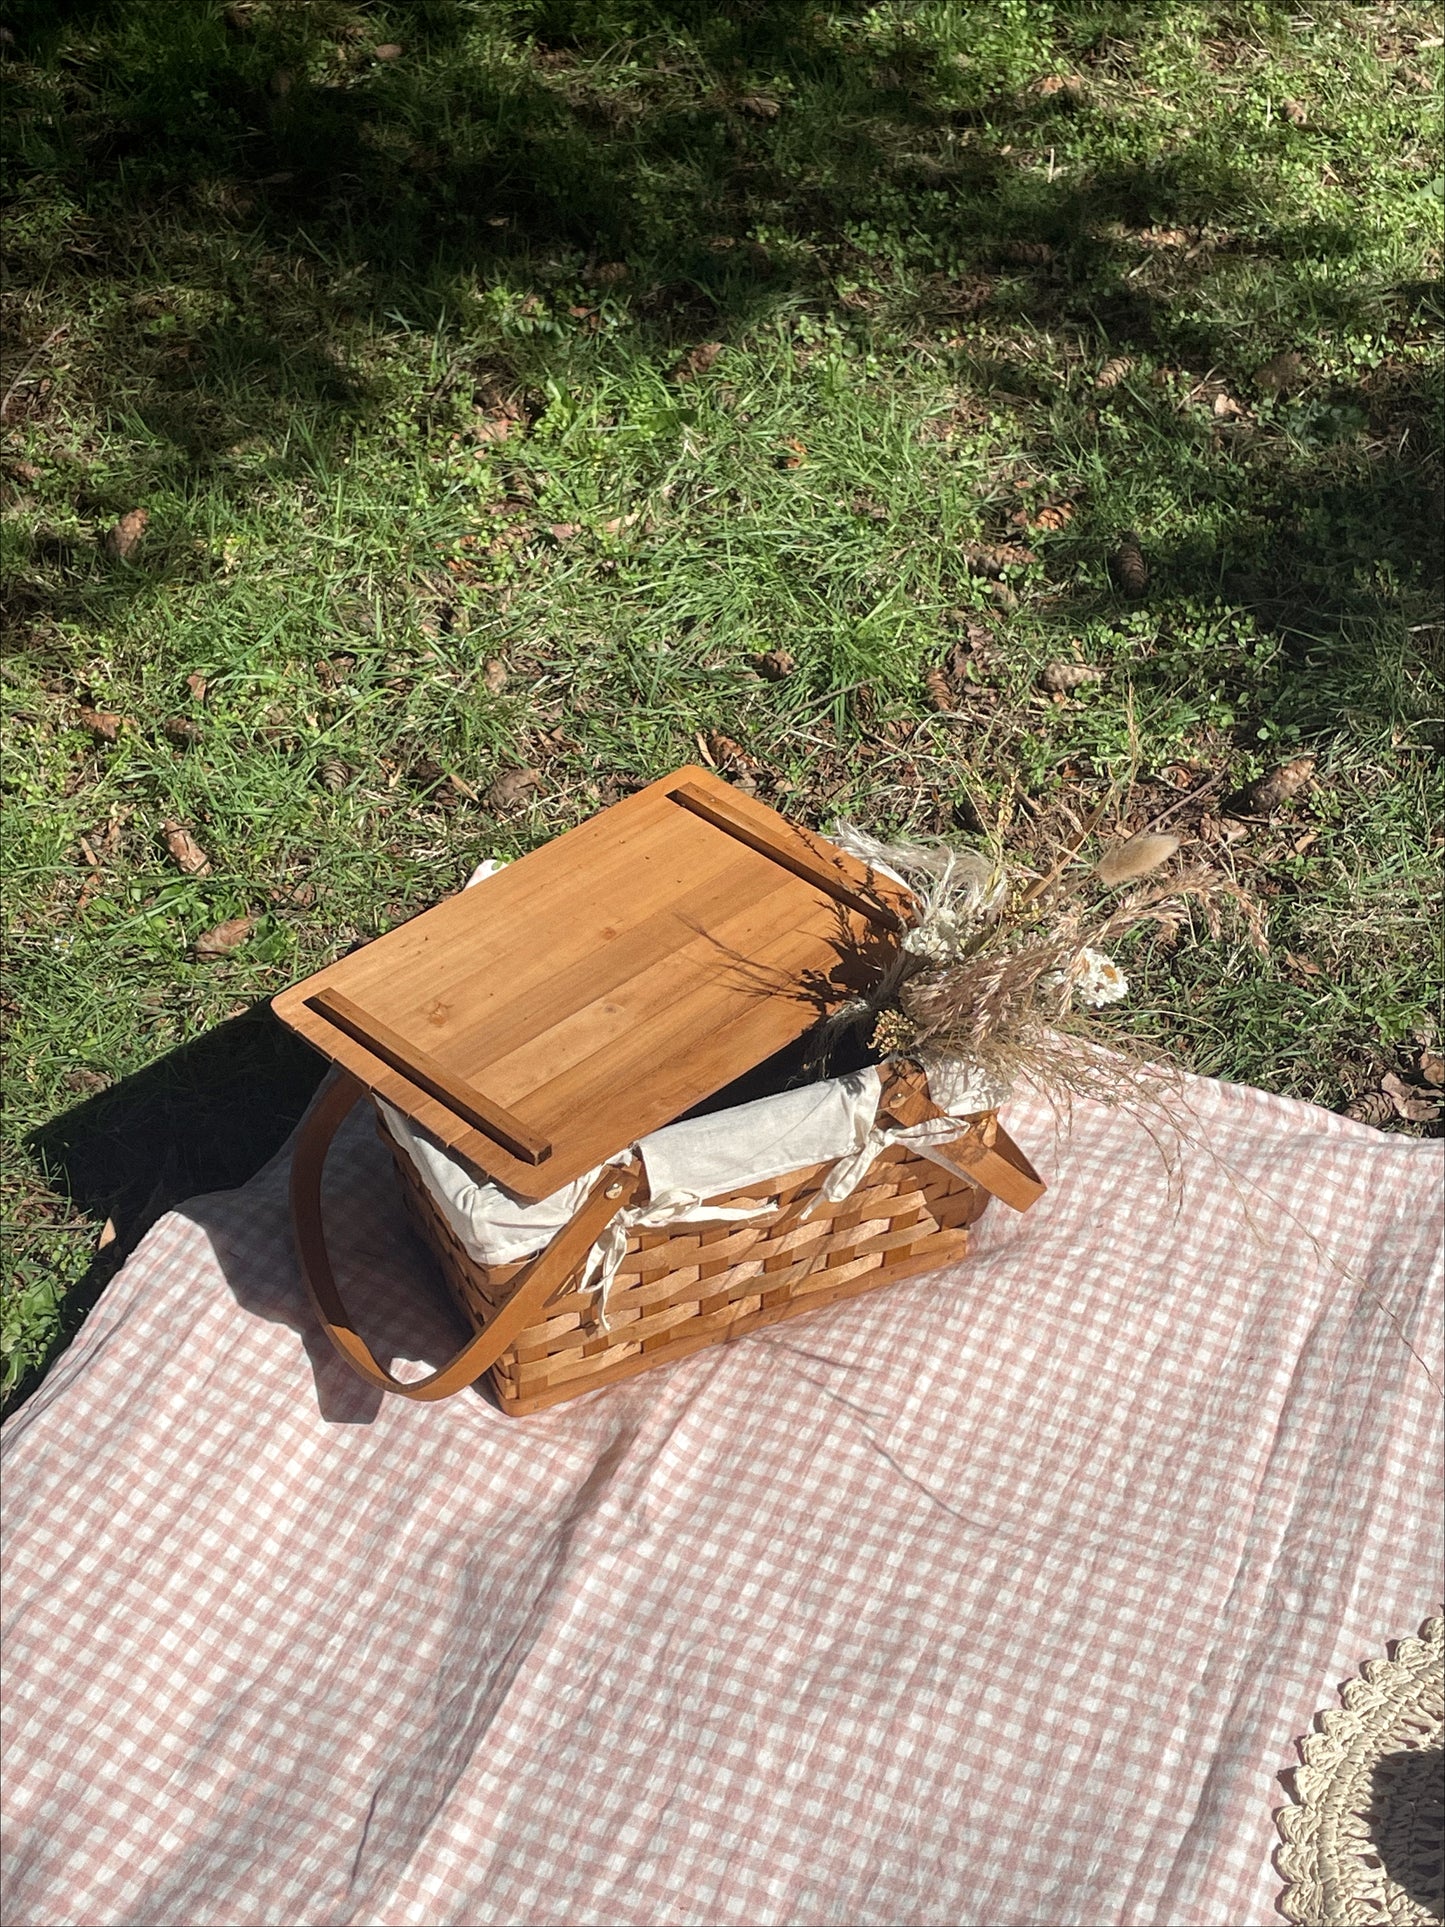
[[607, 274], [223, 938], [511, 789], [793, 453], [1060, 677], [775, 665], [197, 685], [388, 51], [697, 360], [1302, 964], [123, 540], [494, 676], [966, 662], [1052, 84], [1295, 112], [1416, 1106], [563, 531], [760, 106], [1226, 408], [332, 671], [1281, 784], [1128, 566], [1432, 1067], [1135, 858], [186, 853], [183, 731], [103, 724]]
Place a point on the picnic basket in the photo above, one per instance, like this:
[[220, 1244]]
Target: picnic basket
[[537, 1034]]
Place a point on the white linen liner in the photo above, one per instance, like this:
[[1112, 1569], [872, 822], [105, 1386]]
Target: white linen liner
[[830, 1122]]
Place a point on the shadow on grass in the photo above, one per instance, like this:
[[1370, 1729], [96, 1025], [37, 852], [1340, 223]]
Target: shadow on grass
[[540, 187], [696, 168]]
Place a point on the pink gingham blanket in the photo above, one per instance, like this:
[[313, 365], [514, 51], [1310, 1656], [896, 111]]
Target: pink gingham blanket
[[998, 1596]]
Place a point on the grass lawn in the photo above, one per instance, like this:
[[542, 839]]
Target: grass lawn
[[526, 398]]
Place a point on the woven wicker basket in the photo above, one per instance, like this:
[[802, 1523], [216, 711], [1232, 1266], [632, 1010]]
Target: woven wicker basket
[[681, 1287], [593, 992]]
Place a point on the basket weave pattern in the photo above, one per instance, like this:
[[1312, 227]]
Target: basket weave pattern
[[681, 1287]]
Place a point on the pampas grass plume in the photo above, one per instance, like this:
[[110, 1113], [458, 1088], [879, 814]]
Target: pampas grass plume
[[1136, 858]]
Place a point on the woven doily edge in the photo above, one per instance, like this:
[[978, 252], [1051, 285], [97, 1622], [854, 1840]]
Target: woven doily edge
[[1302, 1900]]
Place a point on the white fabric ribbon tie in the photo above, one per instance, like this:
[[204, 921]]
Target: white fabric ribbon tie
[[604, 1260]]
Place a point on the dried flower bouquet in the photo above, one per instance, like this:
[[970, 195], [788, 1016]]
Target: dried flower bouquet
[[1004, 965]]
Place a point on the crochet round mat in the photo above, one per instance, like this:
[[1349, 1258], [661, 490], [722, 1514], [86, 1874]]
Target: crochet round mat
[[1363, 1843]]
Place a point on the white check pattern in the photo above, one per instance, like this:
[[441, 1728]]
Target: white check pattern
[[997, 1596]]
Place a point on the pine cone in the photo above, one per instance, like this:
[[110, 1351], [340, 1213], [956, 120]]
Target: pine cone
[[1281, 784], [1370, 1107], [1129, 568], [1060, 677], [775, 665]]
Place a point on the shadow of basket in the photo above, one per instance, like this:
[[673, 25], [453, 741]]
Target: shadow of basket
[[205, 1117]]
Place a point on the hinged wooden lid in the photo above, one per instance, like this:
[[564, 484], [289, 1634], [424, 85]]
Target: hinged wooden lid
[[603, 985]]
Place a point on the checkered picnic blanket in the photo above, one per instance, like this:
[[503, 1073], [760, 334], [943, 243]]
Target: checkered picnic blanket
[[996, 1596]]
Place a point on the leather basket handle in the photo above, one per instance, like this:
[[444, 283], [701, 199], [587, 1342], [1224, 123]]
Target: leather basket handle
[[550, 1268]]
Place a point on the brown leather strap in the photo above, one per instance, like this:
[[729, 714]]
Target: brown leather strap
[[552, 1267], [984, 1152]]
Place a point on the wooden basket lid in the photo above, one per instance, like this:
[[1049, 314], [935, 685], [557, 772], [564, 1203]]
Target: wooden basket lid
[[603, 985]]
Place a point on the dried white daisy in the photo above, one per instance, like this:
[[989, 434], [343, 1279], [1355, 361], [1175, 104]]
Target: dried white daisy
[[1098, 980]]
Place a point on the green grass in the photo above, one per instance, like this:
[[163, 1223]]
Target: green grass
[[285, 295]]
